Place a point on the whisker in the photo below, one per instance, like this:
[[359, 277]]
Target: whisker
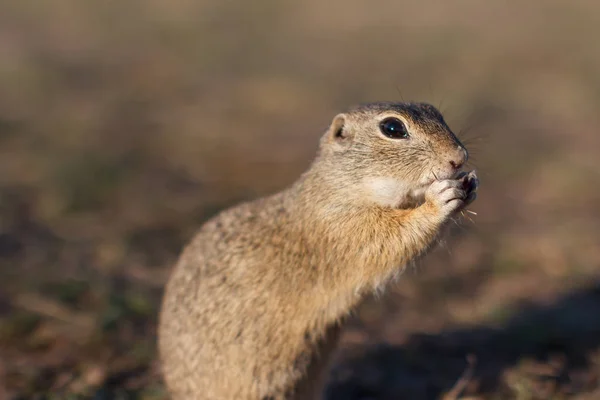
[[400, 93]]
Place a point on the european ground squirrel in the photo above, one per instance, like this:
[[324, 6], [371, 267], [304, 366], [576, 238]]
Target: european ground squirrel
[[252, 310]]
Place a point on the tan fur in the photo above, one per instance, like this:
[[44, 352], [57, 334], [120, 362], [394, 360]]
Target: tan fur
[[253, 307]]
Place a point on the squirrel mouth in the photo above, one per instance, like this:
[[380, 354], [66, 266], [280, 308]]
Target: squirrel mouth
[[442, 176]]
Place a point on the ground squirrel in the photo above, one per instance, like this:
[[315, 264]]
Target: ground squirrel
[[252, 309]]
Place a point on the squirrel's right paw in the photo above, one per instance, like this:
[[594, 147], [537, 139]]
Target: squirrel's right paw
[[451, 195]]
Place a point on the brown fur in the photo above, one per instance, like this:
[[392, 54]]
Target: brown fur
[[253, 307]]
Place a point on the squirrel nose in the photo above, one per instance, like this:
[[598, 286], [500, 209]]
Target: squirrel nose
[[455, 165], [459, 160]]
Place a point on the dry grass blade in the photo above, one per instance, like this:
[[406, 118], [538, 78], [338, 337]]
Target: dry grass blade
[[49, 308], [463, 381], [462, 212]]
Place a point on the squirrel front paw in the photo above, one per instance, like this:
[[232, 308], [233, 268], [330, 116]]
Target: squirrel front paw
[[449, 196]]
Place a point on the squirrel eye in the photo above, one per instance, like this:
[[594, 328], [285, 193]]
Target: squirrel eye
[[393, 128]]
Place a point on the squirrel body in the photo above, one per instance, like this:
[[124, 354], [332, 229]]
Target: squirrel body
[[253, 308]]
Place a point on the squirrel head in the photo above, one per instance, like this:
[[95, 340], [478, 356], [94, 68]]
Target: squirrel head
[[393, 151]]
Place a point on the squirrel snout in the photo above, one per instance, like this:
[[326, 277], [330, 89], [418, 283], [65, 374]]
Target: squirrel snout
[[459, 159]]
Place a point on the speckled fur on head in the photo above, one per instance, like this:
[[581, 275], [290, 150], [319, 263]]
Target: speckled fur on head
[[403, 168], [253, 308]]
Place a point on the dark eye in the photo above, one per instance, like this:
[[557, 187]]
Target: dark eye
[[393, 128]]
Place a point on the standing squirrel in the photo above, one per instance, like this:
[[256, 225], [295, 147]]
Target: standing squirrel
[[253, 308]]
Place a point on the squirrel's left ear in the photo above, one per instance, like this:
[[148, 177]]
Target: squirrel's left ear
[[338, 131]]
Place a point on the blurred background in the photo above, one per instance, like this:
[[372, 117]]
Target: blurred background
[[125, 125]]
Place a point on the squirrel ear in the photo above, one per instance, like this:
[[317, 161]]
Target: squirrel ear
[[338, 131]]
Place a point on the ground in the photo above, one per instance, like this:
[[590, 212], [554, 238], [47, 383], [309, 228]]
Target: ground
[[125, 125]]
